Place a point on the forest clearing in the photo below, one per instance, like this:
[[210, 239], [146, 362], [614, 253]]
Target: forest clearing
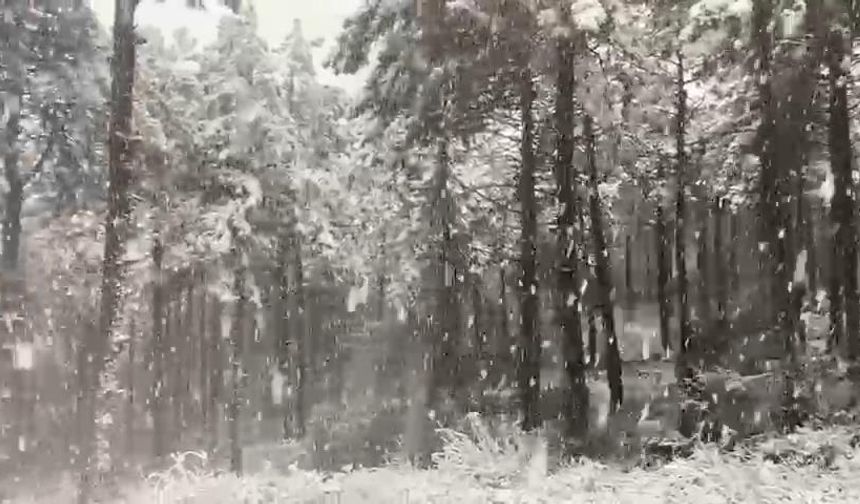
[[543, 251]]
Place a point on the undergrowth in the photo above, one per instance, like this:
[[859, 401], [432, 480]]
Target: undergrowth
[[483, 465]]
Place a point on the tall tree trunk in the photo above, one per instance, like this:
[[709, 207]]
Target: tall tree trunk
[[14, 91], [528, 363], [592, 338], [129, 391], [237, 340], [293, 340], [704, 294], [735, 243], [415, 429], [628, 272], [769, 223], [479, 332], [576, 410], [100, 351], [446, 361], [663, 301], [216, 365], [843, 209], [15, 195], [683, 369], [159, 355], [190, 353], [174, 363], [11, 298], [603, 273], [586, 271], [719, 265], [503, 357], [439, 340], [206, 339], [808, 224]]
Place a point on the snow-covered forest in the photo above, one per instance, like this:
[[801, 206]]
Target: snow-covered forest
[[551, 251]]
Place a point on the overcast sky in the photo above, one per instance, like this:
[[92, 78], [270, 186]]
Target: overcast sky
[[320, 18]]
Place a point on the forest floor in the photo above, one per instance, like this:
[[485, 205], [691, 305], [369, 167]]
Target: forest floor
[[812, 467]]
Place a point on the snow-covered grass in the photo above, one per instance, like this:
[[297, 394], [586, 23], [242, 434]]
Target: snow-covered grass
[[475, 469]]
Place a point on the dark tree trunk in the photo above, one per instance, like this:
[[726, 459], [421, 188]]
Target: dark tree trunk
[[808, 223], [719, 265], [190, 353], [14, 90], [503, 357], [216, 365], [15, 196], [11, 298], [237, 340], [592, 338], [628, 272], [293, 340], [446, 374], [204, 338], [159, 355], [528, 362], [704, 295], [735, 243], [585, 271], [843, 209], [683, 369], [603, 273], [380, 308], [129, 391], [478, 329], [768, 197], [178, 361], [576, 410], [663, 301], [174, 364], [100, 347]]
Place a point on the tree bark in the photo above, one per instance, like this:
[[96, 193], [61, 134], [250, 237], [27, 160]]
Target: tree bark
[[719, 265], [683, 368], [704, 296], [129, 390], [663, 301], [603, 273], [99, 348], [206, 340], [504, 358], [237, 338], [446, 372], [216, 364], [528, 363], [843, 211], [769, 222], [174, 364], [14, 90], [159, 355], [576, 410], [191, 351], [808, 223], [293, 339], [586, 271], [736, 241], [11, 298], [479, 331]]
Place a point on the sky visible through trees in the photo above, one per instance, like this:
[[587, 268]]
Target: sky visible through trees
[[429, 250]]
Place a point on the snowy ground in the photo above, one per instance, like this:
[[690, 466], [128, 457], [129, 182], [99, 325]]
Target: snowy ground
[[469, 474]]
